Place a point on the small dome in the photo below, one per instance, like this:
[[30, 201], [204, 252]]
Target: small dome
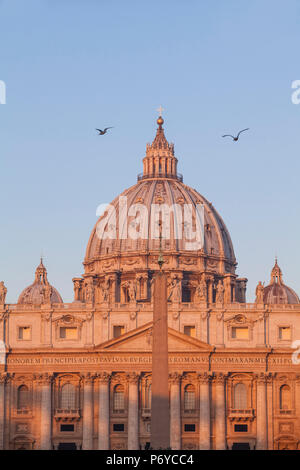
[[40, 291], [277, 292]]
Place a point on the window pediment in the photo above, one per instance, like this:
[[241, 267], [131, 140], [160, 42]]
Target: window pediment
[[239, 320], [69, 320]]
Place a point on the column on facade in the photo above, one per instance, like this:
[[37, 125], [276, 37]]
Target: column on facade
[[168, 166], [146, 166], [270, 411], [151, 169], [261, 412], [204, 409], [227, 292], [220, 413], [204, 326], [89, 325], [103, 417], [156, 165], [46, 411], [220, 328], [47, 325], [261, 328], [88, 415], [144, 288], [3, 377], [175, 415], [113, 281], [233, 299], [138, 287], [133, 411]]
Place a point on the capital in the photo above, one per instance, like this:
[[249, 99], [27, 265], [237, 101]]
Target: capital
[[220, 316], [103, 377], [204, 378], [175, 377], [133, 378], [88, 378], [297, 378], [89, 316], [47, 316], [220, 378], [44, 379], [261, 378], [3, 377], [133, 315]]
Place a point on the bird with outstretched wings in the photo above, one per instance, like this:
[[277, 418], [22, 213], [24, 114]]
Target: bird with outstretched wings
[[102, 132], [235, 138]]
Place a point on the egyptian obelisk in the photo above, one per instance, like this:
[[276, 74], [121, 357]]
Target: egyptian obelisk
[[160, 410]]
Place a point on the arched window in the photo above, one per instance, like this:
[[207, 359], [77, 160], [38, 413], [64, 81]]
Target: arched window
[[189, 397], [240, 397], [118, 399], [68, 397], [285, 397], [23, 397]]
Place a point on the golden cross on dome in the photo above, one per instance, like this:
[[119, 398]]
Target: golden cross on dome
[[160, 110]]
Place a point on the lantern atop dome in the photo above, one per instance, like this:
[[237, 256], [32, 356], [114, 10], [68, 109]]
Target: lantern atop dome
[[160, 161]]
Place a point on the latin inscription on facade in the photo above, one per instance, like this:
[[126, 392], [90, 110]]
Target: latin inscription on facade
[[65, 360]]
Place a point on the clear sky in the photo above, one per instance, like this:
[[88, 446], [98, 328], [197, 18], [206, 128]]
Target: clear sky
[[215, 66]]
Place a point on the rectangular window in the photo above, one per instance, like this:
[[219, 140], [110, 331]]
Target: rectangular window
[[25, 332], [67, 332], [186, 295], [119, 330], [118, 427], [240, 332], [189, 428], [240, 428], [190, 331], [285, 332], [67, 428]]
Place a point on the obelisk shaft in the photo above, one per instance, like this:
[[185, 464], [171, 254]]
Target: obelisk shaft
[[160, 410]]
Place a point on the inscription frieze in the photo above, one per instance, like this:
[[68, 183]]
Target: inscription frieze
[[147, 359]]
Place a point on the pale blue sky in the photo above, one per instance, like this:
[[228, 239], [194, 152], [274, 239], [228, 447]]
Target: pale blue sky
[[215, 66]]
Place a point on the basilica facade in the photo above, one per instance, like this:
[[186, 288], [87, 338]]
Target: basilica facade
[[78, 375]]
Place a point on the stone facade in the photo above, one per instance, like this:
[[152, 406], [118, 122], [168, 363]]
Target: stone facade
[[78, 375]]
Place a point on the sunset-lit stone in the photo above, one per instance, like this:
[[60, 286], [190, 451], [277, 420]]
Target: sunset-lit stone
[[78, 375]]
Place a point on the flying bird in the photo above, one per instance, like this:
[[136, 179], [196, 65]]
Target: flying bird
[[104, 131], [237, 137]]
